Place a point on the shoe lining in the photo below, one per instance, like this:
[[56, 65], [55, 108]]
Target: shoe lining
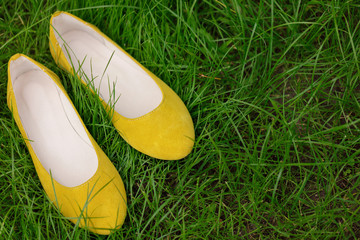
[[118, 80], [54, 129]]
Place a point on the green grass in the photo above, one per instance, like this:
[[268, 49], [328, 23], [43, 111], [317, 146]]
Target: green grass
[[273, 88]]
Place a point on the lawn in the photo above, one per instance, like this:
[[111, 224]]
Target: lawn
[[273, 89]]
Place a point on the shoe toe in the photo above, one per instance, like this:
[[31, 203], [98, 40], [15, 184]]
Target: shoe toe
[[165, 133], [171, 143], [108, 215]]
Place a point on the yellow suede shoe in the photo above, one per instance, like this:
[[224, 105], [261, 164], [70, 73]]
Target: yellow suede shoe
[[145, 111], [76, 174]]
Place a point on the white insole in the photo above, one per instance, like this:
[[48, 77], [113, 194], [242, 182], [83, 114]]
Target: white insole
[[116, 77], [53, 128]]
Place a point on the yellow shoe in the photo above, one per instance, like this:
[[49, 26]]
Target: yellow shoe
[[76, 174], [146, 112]]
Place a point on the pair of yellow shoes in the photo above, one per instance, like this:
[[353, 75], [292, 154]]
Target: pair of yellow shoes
[[75, 173]]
